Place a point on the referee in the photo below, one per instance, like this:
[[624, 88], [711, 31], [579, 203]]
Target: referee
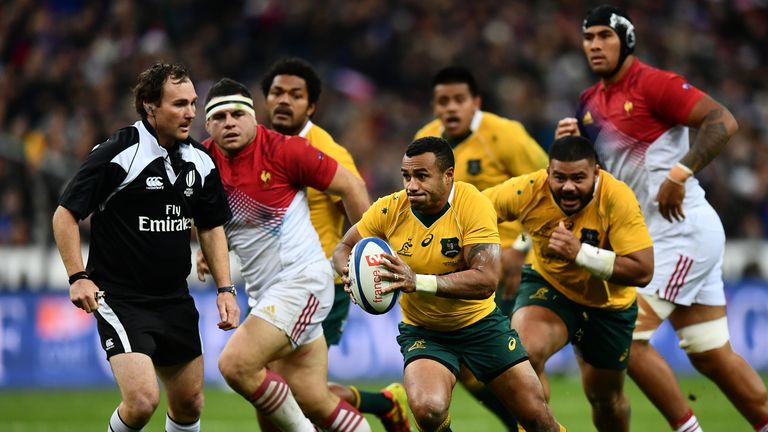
[[145, 187]]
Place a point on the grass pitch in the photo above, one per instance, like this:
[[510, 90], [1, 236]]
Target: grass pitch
[[89, 409]]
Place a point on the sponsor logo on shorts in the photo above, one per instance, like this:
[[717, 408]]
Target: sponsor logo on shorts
[[540, 294], [270, 310], [512, 343], [419, 344], [154, 183], [108, 344]]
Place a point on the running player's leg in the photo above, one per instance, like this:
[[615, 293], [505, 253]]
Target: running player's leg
[[703, 332], [687, 266], [602, 345], [306, 371], [542, 318], [429, 385], [651, 372], [243, 365], [390, 404], [604, 389]]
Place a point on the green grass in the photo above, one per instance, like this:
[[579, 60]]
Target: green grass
[[88, 410]]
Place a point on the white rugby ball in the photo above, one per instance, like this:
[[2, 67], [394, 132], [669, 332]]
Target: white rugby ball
[[364, 273]]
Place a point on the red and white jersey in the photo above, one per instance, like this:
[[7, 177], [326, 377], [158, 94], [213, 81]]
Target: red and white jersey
[[638, 128], [270, 230]]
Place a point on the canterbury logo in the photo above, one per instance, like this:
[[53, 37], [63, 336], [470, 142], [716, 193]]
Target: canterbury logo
[[419, 344], [154, 182]]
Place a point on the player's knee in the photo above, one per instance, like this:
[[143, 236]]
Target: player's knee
[[607, 402], [140, 405], [705, 336], [233, 369], [429, 411], [188, 409]]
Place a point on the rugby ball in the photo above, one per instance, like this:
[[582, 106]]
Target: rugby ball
[[364, 274]]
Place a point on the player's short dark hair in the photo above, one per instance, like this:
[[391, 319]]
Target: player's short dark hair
[[149, 86], [438, 146], [227, 87], [456, 75], [296, 67], [572, 148]]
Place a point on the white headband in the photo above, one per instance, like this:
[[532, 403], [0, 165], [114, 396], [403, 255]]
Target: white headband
[[233, 102]]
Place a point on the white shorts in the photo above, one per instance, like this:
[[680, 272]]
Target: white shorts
[[688, 260], [298, 305]]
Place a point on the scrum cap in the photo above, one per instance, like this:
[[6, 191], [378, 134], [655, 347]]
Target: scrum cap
[[618, 20]]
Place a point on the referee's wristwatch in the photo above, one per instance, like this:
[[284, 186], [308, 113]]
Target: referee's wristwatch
[[230, 289]]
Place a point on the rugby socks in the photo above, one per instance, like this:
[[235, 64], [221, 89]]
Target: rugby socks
[[372, 403], [116, 424], [172, 426], [345, 418], [687, 423], [275, 401]]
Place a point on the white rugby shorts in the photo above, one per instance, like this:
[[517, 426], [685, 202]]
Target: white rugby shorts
[[299, 304], [688, 259]]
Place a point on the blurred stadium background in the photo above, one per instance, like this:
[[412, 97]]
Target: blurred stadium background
[[66, 68]]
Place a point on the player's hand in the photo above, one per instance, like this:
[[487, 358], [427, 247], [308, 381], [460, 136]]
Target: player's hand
[[229, 311], [84, 294], [347, 283], [564, 243], [202, 266], [567, 126], [398, 273], [670, 199]]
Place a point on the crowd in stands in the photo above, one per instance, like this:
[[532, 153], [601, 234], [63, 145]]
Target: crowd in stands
[[66, 68]]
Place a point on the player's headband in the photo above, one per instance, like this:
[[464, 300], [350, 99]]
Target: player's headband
[[614, 18], [229, 102]]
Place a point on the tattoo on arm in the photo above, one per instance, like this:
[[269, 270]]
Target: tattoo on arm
[[483, 254], [709, 142]]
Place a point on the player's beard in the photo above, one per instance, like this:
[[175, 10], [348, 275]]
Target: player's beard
[[584, 199]]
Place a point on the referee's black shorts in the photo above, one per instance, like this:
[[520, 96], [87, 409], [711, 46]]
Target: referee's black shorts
[[165, 330]]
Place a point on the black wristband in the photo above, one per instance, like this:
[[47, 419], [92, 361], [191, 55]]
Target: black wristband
[[230, 289], [77, 276]]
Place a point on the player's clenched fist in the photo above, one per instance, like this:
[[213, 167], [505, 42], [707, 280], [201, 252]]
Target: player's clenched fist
[[567, 126]]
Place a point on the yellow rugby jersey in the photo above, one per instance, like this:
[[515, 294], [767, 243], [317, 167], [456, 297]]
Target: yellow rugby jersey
[[497, 150], [326, 216], [612, 220], [434, 245]]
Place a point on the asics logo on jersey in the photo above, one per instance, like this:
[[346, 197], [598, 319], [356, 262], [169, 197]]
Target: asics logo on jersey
[[427, 240], [154, 183], [512, 343]]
